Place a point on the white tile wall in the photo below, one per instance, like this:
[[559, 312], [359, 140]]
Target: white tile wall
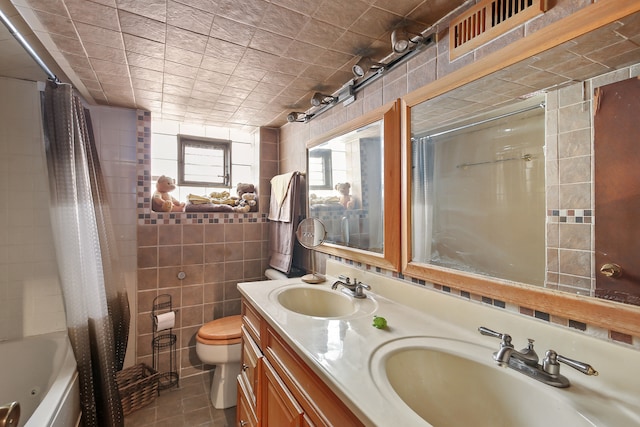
[[30, 297]]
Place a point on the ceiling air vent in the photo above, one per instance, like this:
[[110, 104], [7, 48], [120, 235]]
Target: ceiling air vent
[[487, 20]]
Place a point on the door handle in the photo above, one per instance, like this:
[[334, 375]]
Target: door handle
[[611, 270]]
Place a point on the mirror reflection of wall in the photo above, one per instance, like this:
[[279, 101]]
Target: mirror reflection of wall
[[345, 188], [478, 195]]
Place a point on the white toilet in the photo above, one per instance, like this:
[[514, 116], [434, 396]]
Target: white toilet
[[218, 343], [272, 274]]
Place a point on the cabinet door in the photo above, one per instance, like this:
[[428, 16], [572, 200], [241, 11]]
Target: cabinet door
[[280, 408], [251, 355]]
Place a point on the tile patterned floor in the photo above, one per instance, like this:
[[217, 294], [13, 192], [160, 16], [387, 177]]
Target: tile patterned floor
[[186, 406]]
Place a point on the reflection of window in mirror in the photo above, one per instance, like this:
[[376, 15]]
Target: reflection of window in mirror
[[478, 195], [320, 170], [351, 207]]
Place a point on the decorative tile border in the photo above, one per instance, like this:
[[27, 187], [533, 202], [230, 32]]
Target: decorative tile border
[[614, 336], [570, 216], [143, 169]]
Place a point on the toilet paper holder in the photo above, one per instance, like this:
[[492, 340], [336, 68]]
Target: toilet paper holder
[[163, 321]]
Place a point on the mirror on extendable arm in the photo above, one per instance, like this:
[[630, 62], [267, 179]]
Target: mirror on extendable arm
[[311, 233]]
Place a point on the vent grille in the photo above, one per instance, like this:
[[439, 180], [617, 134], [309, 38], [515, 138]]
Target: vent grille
[[488, 20]]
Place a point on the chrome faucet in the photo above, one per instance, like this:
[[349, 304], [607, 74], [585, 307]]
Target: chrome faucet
[[526, 361], [354, 289]]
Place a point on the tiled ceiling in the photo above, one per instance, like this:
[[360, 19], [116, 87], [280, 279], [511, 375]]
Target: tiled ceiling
[[219, 62]]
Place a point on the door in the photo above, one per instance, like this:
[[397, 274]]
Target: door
[[617, 191]]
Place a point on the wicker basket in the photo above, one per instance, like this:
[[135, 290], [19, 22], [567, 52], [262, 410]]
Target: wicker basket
[[138, 386]]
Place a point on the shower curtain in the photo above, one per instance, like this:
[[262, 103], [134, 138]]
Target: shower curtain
[[93, 287], [422, 151]]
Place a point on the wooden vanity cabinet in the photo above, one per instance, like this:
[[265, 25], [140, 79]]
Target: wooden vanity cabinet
[[286, 391]]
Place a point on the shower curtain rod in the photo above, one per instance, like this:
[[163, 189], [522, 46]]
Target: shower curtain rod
[[14, 32], [481, 122]]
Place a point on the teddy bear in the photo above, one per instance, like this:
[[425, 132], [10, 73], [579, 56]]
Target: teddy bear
[[345, 199], [162, 201], [248, 196]]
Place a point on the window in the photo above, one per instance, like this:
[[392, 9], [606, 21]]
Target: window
[[320, 169], [204, 162]]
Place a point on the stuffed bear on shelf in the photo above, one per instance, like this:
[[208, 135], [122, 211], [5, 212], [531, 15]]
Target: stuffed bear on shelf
[[345, 199], [162, 201]]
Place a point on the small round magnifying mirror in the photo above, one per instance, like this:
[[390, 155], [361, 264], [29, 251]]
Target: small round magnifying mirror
[[311, 233]]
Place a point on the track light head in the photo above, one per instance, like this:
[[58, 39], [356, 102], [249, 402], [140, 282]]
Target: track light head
[[401, 41], [365, 65], [319, 99], [296, 116]]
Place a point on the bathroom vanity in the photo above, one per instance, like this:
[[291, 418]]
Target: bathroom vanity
[[311, 356]]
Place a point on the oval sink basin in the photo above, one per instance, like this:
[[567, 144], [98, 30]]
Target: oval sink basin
[[321, 302], [445, 384]]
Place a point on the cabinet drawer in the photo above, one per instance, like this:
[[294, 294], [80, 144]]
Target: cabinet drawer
[[246, 414], [251, 355], [253, 322], [320, 404]]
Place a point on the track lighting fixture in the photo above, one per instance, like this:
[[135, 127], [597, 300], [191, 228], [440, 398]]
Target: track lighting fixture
[[296, 116], [401, 42], [364, 66], [319, 99]]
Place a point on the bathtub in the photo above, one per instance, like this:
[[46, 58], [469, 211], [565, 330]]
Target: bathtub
[[40, 373]]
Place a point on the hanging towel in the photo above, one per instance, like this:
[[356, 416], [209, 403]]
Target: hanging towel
[[281, 197], [282, 238]]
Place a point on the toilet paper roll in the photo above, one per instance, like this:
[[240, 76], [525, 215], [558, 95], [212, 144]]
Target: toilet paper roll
[[165, 320]]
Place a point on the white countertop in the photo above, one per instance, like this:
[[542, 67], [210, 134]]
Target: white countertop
[[344, 352]]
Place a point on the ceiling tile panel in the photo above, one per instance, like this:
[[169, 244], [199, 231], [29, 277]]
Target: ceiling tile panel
[[143, 46], [137, 60], [320, 33], [68, 44], [93, 14], [105, 53], [182, 56], [55, 7], [266, 41], [98, 35], [56, 24], [206, 5], [218, 64], [334, 12], [189, 18], [231, 31], [140, 26], [283, 21], [187, 40], [180, 81], [223, 49], [375, 22], [250, 13], [153, 9], [304, 52]]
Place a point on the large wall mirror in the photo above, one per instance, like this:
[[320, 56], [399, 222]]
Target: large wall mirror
[[500, 198], [353, 179]]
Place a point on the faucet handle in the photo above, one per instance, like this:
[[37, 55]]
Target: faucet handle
[[551, 365], [345, 279], [506, 338]]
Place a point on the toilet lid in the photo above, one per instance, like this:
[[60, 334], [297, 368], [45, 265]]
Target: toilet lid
[[221, 329]]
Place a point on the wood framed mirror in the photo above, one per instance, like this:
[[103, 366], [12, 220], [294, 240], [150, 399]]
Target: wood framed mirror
[[354, 188], [503, 68]]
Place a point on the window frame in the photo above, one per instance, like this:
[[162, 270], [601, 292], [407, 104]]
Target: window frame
[[185, 141], [325, 158]]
